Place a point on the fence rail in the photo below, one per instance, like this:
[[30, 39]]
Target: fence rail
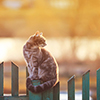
[[52, 94]]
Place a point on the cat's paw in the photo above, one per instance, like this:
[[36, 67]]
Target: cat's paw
[[31, 88], [29, 85], [28, 82]]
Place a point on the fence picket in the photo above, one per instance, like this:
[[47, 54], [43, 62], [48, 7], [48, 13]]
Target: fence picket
[[71, 88], [85, 86], [53, 93], [98, 84], [15, 78], [1, 79], [48, 95], [56, 91]]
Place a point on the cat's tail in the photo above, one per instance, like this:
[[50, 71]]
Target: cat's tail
[[40, 88]]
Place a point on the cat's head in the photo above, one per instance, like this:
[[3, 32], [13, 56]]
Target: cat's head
[[37, 40]]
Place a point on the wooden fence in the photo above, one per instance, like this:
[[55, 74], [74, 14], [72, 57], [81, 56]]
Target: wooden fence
[[52, 94]]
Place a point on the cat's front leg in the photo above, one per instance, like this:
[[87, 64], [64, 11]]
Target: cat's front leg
[[29, 84]]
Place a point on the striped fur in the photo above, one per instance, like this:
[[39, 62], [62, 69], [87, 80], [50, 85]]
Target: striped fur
[[41, 64]]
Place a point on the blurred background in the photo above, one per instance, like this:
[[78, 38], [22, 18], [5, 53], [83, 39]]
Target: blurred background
[[71, 28]]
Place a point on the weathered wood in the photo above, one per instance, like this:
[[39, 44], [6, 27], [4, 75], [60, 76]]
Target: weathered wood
[[1, 79], [14, 98], [33, 96], [98, 84], [48, 95], [56, 91], [85, 86], [51, 94], [71, 88], [15, 80]]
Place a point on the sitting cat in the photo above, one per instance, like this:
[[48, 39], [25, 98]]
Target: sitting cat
[[41, 64]]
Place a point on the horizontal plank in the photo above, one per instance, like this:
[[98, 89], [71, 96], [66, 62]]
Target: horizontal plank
[[14, 98]]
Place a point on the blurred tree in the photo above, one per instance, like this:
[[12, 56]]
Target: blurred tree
[[79, 18], [5, 32], [27, 4], [1, 2]]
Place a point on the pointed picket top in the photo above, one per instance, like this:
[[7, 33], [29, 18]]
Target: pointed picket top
[[1, 79], [86, 72], [73, 77], [1, 63], [15, 79], [98, 70], [14, 65], [71, 88], [56, 91]]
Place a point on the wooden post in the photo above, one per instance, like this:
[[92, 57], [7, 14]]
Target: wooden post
[[85, 86], [15, 78], [56, 92], [71, 88], [33, 96], [48, 95], [98, 84]]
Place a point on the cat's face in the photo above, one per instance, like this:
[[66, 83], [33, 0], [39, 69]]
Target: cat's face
[[37, 40]]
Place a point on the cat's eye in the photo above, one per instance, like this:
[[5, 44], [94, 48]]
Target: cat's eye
[[31, 38], [43, 41]]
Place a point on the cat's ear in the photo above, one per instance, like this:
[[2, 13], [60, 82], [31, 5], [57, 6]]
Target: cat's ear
[[37, 34], [41, 33]]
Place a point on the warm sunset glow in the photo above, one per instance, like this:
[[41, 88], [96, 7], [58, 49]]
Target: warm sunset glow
[[72, 30], [10, 49]]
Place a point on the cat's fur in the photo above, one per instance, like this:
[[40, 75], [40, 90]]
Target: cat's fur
[[41, 64]]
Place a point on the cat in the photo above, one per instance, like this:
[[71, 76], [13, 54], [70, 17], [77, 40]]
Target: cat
[[40, 63]]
